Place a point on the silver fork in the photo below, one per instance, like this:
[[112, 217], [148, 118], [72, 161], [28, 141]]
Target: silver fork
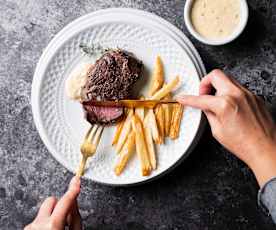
[[89, 146]]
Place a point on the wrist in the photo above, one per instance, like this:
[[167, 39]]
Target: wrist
[[263, 163]]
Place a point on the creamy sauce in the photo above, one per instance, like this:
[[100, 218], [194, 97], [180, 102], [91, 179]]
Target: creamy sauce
[[215, 19], [76, 81]]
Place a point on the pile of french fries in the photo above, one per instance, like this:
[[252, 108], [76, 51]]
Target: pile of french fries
[[143, 128]]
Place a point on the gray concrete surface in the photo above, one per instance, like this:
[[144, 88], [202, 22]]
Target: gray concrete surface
[[210, 190]]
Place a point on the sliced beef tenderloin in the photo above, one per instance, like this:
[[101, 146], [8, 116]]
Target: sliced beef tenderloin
[[110, 78], [103, 115]]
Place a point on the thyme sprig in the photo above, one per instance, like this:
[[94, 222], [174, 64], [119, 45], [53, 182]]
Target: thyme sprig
[[93, 49]]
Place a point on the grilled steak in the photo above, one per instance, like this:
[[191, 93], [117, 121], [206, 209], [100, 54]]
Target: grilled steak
[[111, 78]]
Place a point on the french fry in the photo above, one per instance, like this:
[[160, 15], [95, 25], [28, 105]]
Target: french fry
[[167, 116], [140, 112], [125, 154], [176, 121], [141, 147], [160, 118], [166, 89], [125, 131], [118, 131], [151, 123], [157, 77], [151, 149]]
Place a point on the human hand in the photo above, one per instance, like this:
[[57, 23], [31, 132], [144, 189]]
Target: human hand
[[239, 121], [55, 215]]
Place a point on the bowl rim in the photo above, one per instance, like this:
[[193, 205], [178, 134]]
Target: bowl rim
[[216, 42]]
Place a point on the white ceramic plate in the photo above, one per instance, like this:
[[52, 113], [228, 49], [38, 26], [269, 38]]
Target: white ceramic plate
[[60, 121]]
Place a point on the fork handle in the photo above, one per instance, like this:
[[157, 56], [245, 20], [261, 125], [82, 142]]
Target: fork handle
[[81, 168]]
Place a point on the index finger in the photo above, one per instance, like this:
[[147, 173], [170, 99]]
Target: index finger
[[203, 102], [215, 79], [65, 204]]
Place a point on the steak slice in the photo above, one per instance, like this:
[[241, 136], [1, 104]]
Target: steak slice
[[110, 78], [103, 115]]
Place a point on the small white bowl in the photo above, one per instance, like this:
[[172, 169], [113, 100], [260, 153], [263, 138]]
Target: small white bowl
[[214, 42]]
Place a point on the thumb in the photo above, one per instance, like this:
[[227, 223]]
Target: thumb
[[203, 102]]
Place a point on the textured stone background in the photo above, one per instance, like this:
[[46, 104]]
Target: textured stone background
[[210, 190]]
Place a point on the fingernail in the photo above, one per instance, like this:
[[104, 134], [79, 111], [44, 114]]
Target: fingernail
[[75, 182]]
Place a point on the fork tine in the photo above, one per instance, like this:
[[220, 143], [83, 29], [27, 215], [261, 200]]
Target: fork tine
[[97, 136], [88, 132], [89, 146], [92, 133]]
